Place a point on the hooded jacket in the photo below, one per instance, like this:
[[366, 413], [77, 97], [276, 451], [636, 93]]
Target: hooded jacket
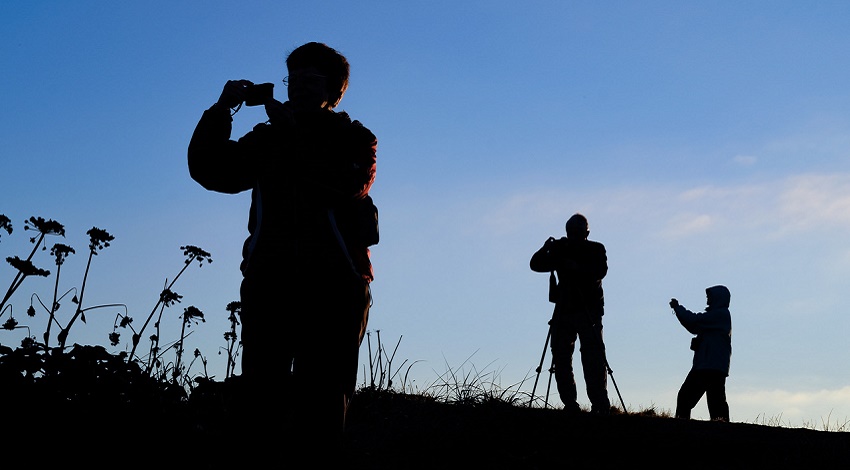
[[713, 329]]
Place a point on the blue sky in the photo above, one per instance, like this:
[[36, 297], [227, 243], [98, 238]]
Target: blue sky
[[707, 143]]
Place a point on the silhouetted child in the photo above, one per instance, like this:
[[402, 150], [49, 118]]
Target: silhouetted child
[[712, 348]]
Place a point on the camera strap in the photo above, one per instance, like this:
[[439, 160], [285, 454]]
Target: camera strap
[[553, 288], [341, 241]]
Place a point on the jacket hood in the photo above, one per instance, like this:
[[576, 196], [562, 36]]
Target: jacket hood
[[718, 296]]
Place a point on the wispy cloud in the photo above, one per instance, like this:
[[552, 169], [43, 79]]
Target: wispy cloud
[[735, 217], [687, 224], [745, 160], [813, 202], [681, 211]]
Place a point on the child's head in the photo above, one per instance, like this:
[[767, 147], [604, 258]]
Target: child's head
[[718, 296]]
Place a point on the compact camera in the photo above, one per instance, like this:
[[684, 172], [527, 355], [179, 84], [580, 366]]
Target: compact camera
[[258, 94]]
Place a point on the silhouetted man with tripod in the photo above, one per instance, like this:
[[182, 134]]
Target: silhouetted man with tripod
[[580, 265]]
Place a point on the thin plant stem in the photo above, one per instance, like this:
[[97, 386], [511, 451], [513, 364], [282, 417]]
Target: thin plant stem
[[52, 315], [63, 335], [20, 276]]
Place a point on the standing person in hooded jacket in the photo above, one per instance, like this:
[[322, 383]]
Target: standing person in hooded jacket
[[580, 265], [712, 348], [305, 292]]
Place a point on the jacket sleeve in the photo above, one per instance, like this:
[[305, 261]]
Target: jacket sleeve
[[699, 323], [543, 261], [216, 162], [364, 155]]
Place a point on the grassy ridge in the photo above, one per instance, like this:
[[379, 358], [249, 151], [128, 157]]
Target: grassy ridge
[[388, 431]]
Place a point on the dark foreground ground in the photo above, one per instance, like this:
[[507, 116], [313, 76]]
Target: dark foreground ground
[[394, 431]]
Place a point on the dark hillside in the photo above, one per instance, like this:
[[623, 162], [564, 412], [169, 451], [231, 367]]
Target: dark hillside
[[395, 431]]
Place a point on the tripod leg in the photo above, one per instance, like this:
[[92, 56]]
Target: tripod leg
[[608, 368], [549, 385], [611, 373], [540, 366]]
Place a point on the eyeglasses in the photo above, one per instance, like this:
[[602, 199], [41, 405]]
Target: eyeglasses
[[302, 76]]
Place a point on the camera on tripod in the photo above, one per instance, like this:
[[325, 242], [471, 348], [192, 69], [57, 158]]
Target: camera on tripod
[[258, 94]]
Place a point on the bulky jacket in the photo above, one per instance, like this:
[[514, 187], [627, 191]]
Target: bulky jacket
[[302, 178], [713, 330], [580, 266]]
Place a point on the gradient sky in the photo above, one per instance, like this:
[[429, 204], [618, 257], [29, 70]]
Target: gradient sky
[[707, 143]]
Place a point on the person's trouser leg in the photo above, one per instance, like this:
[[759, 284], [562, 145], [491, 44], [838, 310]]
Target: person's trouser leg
[[592, 350], [563, 343], [326, 362], [266, 359], [690, 393], [715, 395]]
